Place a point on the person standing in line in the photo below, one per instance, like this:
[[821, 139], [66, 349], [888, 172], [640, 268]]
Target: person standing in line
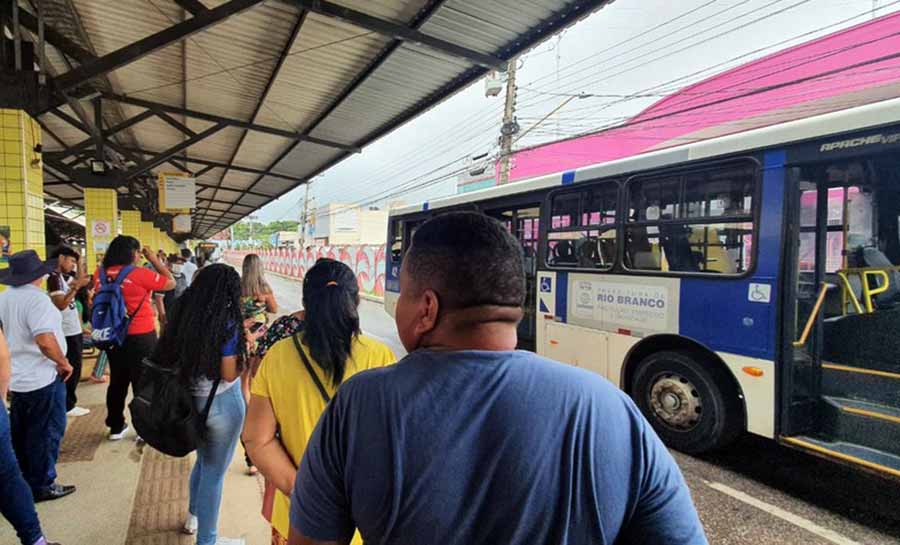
[[16, 501], [289, 390], [63, 293], [189, 268], [33, 328], [137, 290], [257, 301], [204, 340], [470, 441]]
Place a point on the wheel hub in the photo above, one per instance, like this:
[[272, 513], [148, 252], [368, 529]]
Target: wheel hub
[[675, 401]]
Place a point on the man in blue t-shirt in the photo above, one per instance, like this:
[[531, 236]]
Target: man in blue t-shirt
[[467, 441]]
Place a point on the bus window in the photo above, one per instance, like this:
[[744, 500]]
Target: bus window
[[700, 221], [582, 232], [396, 241]]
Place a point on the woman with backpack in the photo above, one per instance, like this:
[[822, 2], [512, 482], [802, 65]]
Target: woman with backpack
[[204, 340], [123, 256], [298, 375]]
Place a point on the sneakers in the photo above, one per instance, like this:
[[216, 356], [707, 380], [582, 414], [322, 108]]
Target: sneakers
[[78, 411], [118, 436], [190, 525]]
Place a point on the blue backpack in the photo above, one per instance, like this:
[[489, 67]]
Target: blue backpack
[[109, 318]]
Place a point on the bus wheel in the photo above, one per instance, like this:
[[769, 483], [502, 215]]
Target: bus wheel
[[690, 403]]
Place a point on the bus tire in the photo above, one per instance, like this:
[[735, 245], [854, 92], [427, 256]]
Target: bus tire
[[689, 401]]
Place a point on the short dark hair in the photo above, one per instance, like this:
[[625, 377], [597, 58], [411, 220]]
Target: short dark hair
[[469, 260], [121, 251], [65, 251], [186, 253]]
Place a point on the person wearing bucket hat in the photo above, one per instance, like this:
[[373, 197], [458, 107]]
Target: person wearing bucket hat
[[33, 328]]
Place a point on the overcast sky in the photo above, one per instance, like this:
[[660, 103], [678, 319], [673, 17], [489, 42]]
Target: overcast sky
[[646, 47]]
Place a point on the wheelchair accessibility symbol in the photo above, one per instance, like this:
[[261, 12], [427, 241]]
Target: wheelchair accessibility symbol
[[546, 284], [759, 293]]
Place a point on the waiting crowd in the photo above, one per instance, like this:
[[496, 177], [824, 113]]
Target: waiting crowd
[[463, 441]]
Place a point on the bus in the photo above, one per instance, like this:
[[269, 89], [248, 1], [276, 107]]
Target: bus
[[745, 283]]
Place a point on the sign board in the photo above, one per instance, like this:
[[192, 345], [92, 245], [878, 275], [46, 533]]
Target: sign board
[[641, 307], [101, 229], [177, 193], [181, 223]]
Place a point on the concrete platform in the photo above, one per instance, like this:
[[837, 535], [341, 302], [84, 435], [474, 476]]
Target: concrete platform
[[103, 508]]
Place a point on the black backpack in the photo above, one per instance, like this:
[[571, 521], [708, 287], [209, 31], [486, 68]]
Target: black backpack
[[163, 411]]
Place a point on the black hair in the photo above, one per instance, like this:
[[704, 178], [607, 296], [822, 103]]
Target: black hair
[[67, 251], [331, 298], [186, 253], [121, 251], [469, 260], [205, 318]]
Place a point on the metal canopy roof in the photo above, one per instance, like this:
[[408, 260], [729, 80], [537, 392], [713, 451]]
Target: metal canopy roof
[[255, 98]]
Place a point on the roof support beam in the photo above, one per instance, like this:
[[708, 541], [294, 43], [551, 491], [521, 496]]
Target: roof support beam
[[400, 32], [218, 164], [130, 53], [54, 37], [229, 122], [361, 77], [285, 50], [87, 142], [175, 123], [166, 155], [194, 7]]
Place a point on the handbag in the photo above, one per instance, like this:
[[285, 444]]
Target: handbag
[[269, 490]]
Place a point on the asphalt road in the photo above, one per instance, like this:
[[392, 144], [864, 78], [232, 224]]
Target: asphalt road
[[755, 492]]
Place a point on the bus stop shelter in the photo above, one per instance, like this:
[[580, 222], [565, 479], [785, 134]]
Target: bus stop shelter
[[251, 98]]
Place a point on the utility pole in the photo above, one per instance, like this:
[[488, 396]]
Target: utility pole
[[305, 217], [510, 126]]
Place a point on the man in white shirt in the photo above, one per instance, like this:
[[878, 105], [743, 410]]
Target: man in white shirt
[[189, 268], [33, 327], [63, 293]]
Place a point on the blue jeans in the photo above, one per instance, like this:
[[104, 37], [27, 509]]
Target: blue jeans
[[16, 502], [223, 427], [37, 422]]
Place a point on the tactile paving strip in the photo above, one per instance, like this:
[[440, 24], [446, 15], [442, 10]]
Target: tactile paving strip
[[83, 436], [160, 501]]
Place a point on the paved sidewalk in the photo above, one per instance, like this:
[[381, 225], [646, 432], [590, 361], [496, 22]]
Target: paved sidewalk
[[108, 477]]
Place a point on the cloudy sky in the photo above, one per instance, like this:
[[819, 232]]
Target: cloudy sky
[[647, 48]]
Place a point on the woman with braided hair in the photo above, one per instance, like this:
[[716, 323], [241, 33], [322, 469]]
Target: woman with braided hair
[[298, 375], [204, 339]]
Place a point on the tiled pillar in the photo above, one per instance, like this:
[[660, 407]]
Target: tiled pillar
[[131, 223], [101, 212], [21, 185], [146, 237]]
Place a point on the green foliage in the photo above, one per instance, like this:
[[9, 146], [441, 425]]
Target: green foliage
[[262, 231]]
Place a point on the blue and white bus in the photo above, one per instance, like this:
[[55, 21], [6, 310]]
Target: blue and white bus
[[746, 283]]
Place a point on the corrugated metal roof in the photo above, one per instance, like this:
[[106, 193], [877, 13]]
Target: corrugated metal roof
[[277, 66]]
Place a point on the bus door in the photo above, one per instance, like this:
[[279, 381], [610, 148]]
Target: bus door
[[524, 223], [844, 324]]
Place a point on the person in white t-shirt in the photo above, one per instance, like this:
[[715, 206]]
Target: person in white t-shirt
[[189, 268], [37, 412], [62, 291]]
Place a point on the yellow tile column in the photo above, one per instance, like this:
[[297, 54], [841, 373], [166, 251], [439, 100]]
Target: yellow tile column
[[146, 237], [131, 223], [21, 185], [101, 213]]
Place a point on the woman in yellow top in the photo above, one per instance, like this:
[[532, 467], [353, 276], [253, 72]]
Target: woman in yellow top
[[284, 396]]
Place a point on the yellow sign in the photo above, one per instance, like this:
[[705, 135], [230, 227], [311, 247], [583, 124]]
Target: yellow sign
[[177, 193]]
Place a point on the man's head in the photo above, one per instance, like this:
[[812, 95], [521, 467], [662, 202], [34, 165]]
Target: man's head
[[185, 253], [463, 272], [67, 259]]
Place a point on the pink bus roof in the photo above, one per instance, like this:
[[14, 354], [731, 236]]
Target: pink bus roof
[[856, 66]]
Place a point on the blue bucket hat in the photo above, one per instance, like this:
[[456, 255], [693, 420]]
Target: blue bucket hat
[[25, 267]]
